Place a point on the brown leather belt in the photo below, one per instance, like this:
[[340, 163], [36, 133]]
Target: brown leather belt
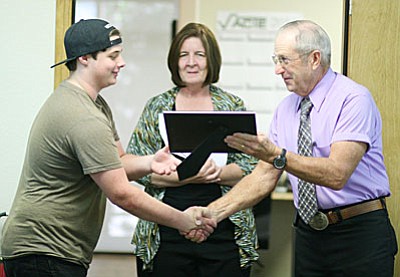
[[322, 219], [335, 216]]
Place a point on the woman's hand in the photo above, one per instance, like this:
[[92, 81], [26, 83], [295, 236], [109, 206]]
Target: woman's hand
[[209, 173]]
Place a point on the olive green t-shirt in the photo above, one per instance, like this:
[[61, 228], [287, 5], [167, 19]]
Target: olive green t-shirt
[[58, 209]]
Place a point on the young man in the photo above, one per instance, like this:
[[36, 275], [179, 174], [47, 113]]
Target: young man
[[74, 160]]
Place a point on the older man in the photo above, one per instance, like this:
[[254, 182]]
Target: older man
[[327, 136]]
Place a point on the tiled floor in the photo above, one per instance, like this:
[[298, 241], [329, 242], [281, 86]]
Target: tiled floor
[[124, 265], [113, 265]]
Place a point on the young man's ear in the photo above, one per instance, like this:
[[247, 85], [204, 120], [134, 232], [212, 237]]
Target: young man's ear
[[84, 59]]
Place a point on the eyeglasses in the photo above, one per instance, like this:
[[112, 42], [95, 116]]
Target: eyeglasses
[[282, 60]]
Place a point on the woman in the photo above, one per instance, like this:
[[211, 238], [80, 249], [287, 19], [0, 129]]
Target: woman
[[194, 61]]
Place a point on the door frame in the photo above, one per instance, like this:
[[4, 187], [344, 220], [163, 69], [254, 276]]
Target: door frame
[[65, 14]]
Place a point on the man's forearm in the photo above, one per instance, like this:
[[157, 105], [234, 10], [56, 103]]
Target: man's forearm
[[247, 193], [137, 202], [136, 166]]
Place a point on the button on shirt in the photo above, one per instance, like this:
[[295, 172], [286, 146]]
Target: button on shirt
[[343, 111]]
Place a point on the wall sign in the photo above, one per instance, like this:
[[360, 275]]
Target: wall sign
[[246, 40]]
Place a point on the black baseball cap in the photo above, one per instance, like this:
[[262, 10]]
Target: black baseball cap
[[87, 36]]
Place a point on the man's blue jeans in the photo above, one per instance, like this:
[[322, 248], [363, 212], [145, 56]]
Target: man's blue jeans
[[42, 266]]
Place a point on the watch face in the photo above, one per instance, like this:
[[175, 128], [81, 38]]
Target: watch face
[[279, 163]]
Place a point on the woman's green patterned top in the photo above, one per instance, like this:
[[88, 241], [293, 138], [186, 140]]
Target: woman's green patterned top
[[146, 139]]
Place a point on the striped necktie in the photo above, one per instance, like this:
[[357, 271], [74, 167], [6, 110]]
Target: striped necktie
[[307, 196]]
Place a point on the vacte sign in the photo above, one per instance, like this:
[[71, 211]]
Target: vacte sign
[[229, 21]]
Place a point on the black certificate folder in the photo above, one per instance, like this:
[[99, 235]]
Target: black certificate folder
[[188, 130], [203, 133]]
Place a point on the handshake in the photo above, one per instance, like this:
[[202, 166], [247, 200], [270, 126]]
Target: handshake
[[200, 223]]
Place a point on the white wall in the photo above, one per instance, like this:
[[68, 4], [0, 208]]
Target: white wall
[[327, 13], [268, 89], [27, 49]]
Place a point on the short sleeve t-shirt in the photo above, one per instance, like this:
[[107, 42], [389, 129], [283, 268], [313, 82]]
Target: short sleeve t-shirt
[[58, 209]]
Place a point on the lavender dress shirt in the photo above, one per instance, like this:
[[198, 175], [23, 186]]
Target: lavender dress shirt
[[343, 111]]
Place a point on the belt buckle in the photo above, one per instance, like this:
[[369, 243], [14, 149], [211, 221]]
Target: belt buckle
[[319, 221]]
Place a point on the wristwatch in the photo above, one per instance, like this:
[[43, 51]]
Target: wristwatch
[[280, 161]]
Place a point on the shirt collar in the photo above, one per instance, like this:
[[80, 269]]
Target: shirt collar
[[318, 94]]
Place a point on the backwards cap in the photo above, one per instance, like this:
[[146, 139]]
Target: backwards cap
[[87, 36]]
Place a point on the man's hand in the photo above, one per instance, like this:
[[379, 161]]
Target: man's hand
[[203, 227], [259, 146], [163, 162]]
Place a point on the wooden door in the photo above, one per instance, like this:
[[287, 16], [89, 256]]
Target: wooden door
[[374, 61], [64, 19]]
